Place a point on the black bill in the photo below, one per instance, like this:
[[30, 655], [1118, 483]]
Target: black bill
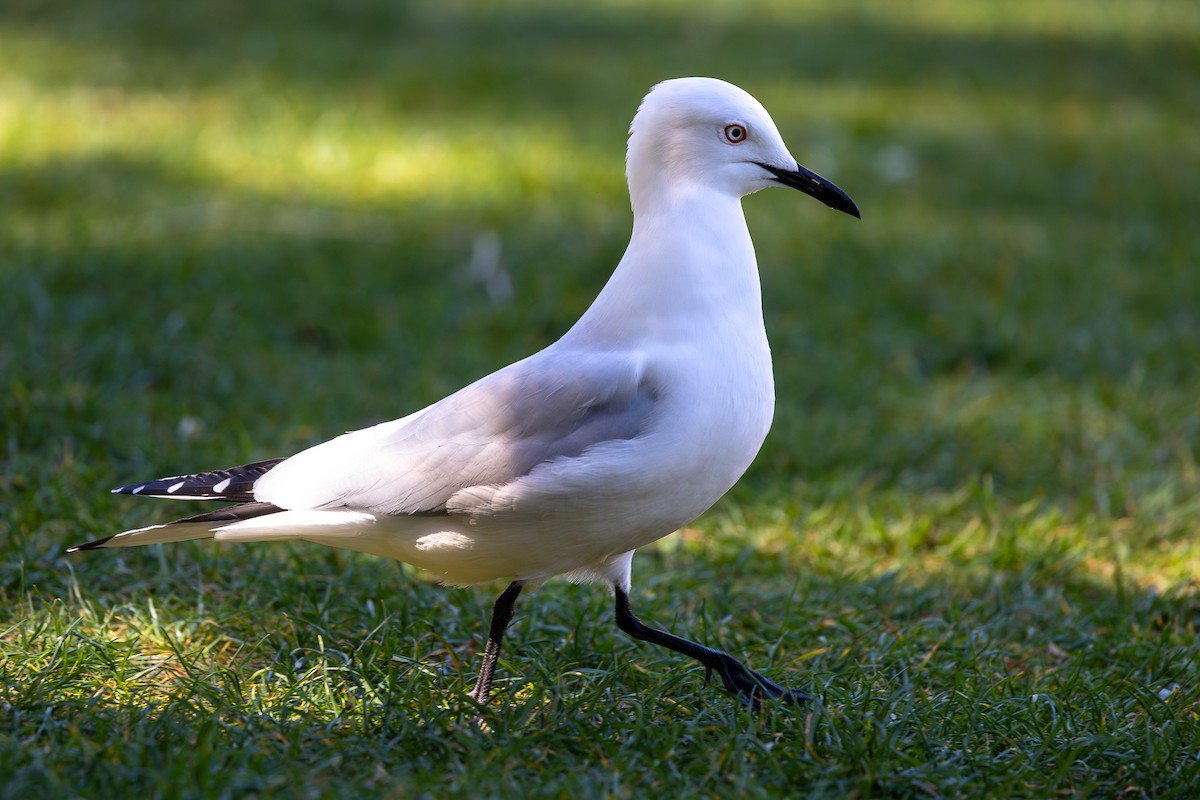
[[814, 185]]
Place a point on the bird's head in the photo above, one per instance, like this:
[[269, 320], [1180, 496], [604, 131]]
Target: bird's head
[[706, 132]]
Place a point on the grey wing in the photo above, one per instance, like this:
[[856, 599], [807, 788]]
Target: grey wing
[[552, 405]]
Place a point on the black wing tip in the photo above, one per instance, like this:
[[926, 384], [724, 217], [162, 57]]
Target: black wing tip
[[98, 544], [235, 484], [237, 513]]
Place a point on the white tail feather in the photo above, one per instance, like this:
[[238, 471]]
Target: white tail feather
[[158, 534]]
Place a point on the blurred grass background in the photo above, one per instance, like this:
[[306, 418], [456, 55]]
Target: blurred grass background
[[230, 230]]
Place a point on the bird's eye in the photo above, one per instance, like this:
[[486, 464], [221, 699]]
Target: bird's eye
[[736, 133]]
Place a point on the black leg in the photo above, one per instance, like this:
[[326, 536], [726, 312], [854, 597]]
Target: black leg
[[502, 614], [740, 681]]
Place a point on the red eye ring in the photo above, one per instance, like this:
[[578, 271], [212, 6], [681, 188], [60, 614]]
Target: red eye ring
[[736, 133]]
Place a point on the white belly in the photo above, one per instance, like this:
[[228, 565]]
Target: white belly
[[571, 514]]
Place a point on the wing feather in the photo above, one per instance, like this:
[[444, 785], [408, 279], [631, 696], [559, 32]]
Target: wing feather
[[557, 404]]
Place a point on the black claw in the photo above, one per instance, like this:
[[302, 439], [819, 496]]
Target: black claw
[[751, 687]]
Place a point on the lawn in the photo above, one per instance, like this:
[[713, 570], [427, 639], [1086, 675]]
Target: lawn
[[229, 230]]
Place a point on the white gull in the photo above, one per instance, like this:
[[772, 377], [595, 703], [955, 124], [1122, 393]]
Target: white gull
[[631, 425]]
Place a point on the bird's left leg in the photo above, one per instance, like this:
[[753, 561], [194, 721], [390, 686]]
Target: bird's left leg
[[502, 614]]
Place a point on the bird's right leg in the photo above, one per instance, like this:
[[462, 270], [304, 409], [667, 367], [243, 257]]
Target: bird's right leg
[[738, 679]]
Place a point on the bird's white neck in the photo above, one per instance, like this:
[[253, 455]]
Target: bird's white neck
[[689, 269]]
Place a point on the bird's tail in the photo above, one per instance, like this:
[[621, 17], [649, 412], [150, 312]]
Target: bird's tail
[[200, 526], [234, 485]]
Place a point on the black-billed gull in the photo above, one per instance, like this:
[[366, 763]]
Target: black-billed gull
[[631, 425]]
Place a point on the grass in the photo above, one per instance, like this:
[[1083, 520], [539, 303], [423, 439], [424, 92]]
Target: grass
[[229, 231]]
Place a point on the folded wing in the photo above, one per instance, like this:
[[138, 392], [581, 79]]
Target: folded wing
[[557, 404]]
